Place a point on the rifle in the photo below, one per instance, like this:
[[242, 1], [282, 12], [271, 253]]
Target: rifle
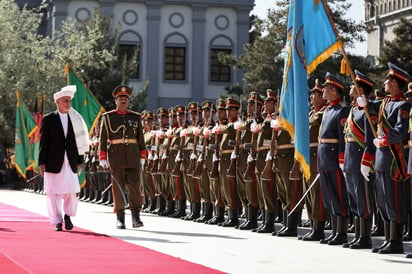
[[166, 151], [155, 149], [179, 157], [231, 171], [197, 173], [267, 170], [214, 173]]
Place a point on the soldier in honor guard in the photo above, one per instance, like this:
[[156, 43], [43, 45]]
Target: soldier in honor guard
[[331, 158], [390, 161], [229, 184], [208, 110], [317, 213], [260, 146], [122, 148], [214, 176], [149, 193], [167, 205], [408, 185], [359, 155], [176, 151], [190, 157], [253, 111]]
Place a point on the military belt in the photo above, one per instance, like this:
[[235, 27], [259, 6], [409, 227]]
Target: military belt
[[328, 141], [123, 141], [226, 151], [350, 140], [286, 146], [313, 145], [262, 148]]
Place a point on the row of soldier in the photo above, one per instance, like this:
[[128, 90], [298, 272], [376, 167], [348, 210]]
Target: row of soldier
[[219, 158]]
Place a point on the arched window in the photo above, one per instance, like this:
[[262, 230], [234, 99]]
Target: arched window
[[175, 57], [219, 72], [130, 48]]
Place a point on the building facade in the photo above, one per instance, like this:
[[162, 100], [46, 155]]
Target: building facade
[[178, 41], [381, 17]]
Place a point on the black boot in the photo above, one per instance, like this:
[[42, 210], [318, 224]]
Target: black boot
[[251, 222], [269, 225], [364, 241], [387, 230], [342, 232], [291, 226], [207, 213], [408, 235], [136, 218], [120, 220], [334, 226], [317, 233], [233, 218], [181, 209], [379, 229], [284, 221], [395, 245], [161, 205], [218, 218], [357, 228], [170, 208], [263, 216], [195, 212]]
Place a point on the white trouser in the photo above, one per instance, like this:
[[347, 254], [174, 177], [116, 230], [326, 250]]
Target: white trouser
[[54, 206]]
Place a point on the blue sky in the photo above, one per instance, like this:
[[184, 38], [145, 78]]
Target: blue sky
[[356, 12]]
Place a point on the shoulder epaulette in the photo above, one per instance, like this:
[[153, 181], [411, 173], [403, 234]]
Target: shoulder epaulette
[[108, 112], [133, 112]]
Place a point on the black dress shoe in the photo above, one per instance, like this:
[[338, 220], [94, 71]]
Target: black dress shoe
[[68, 225], [59, 227]]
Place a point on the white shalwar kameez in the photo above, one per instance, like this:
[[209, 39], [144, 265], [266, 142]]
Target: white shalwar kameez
[[63, 185]]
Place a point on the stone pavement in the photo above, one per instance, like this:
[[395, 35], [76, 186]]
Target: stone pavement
[[226, 249]]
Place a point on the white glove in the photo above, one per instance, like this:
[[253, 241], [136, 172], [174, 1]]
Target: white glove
[[341, 167], [142, 162], [274, 123], [200, 158], [214, 158], [238, 125], [253, 126], [376, 142], [104, 164], [268, 156], [178, 159], [362, 101], [233, 155], [250, 158], [193, 156], [150, 156], [365, 172]]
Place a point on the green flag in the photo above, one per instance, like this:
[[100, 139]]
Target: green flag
[[84, 101], [25, 128], [86, 104]]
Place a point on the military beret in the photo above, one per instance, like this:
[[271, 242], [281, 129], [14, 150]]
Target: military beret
[[362, 78], [398, 73], [331, 79], [232, 103], [221, 104], [270, 95], [122, 90], [180, 109], [162, 112], [317, 87], [192, 106], [207, 104], [255, 96]]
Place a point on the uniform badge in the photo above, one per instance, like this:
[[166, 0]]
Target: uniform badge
[[343, 121], [374, 120], [404, 114]]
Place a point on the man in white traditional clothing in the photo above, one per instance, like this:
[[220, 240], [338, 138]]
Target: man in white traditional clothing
[[63, 142]]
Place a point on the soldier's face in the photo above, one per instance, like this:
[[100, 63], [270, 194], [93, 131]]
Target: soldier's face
[[63, 104], [222, 114], [330, 93], [164, 120], [270, 106], [181, 118], [232, 113], [206, 114], [316, 99], [122, 102]]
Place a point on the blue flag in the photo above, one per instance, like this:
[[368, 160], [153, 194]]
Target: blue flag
[[311, 39]]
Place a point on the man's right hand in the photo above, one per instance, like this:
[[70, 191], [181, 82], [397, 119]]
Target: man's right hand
[[104, 164]]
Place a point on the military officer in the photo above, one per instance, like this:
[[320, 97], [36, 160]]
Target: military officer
[[122, 147], [359, 155], [330, 159], [390, 165]]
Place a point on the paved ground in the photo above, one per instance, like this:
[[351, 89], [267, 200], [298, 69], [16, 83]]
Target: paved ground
[[226, 249]]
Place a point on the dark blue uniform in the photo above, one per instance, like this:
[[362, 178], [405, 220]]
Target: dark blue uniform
[[331, 146]]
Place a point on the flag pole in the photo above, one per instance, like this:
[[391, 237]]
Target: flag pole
[[346, 59]]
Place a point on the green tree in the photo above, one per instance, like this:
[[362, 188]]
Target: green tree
[[397, 51], [263, 61]]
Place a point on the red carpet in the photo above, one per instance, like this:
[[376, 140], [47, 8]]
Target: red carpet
[[28, 244]]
